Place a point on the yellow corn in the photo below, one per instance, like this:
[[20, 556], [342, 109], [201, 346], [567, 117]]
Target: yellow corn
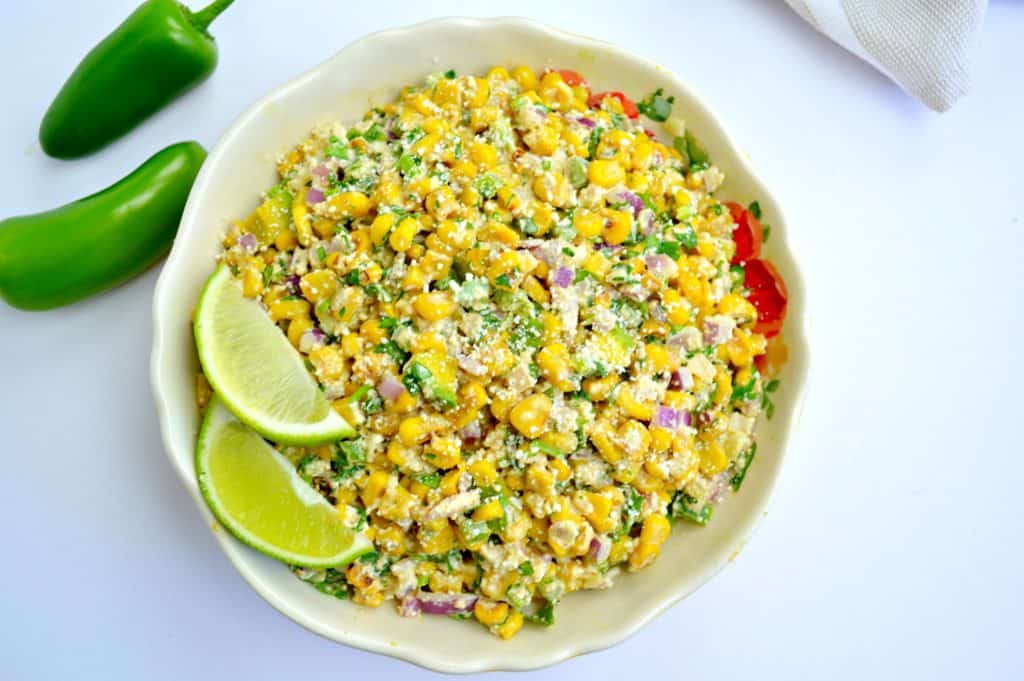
[[380, 227], [433, 306], [288, 309], [297, 327], [618, 227], [510, 626], [553, 361], [587, 223], [530, 416], [413, 430], [491, 510], [319, 285], [525, 76], [348, 204], [401, 237], [490, 612], [605, 173]]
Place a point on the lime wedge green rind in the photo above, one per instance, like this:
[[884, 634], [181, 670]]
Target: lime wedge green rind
[[256, 372], [258, 496]]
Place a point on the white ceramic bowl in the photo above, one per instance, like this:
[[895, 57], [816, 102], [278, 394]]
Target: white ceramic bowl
[[370, 72]]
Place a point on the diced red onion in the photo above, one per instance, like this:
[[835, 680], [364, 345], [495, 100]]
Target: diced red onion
[[600, 548], [563, 277], [717, 488], [314, 196], [650, 133], [586, 122], [292, 283], [471, 432], [685, 418], [248, 243], [661, 265], [656, 158], [715, 332], [390, 387], [321, 172], [629, 197], [409, 606], [445, 604], [312, 339], [471, 365], [667, 417], [608, 247], [682, 379]]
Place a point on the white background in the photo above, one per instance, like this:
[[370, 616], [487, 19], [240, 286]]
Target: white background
[[894, 545]]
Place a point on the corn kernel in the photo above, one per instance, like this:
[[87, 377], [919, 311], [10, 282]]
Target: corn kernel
[[349, 204], [618, 227], [491, 510], [289, 309], [490, 612], [531, 414], [587, 223], [297, 327], [605, 173], [510, 626], [525, 76], [413, 430], [433, 306], [319, 285], [401, 237]]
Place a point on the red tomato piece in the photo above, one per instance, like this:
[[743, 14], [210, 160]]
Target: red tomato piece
[[628, 107], [748, 235], [572, 78], [768, 294]]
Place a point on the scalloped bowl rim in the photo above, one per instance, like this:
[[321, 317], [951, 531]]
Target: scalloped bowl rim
[[559, 644]]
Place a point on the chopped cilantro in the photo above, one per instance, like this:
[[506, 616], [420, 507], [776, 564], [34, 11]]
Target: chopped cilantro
[[755, 209], [392, 350], [526, 568], [449, 74], [407, 163], [682, 507], [431, 480], [656, 106], [502, 280], [766, 231], [595, 139], [488, 185], [670, 248], [687, 237], [388, 322], [741, 466], [742, 393], [321, 253], [545, 616]]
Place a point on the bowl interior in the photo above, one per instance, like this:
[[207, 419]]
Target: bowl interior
[[367, 73]]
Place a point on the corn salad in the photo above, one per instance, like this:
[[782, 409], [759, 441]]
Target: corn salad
[[530, 310]]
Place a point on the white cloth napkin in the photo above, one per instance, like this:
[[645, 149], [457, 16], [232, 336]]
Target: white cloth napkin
[[923, 45]]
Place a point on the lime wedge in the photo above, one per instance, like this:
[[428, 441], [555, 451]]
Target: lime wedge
[[259, 497], [256, 372]]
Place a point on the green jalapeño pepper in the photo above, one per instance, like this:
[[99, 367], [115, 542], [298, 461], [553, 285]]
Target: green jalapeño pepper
[[61, 256], [156, 55]]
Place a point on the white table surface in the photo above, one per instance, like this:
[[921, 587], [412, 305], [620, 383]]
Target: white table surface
[[894, 545]]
